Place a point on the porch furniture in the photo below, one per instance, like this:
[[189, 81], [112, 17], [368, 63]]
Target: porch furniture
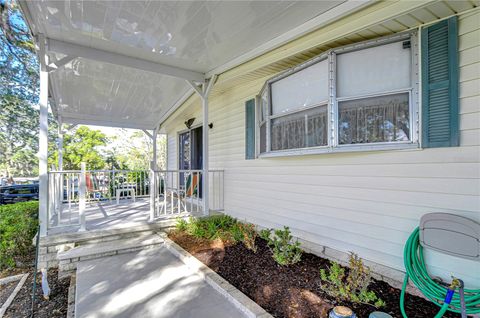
[[191, 189], [129, 191]]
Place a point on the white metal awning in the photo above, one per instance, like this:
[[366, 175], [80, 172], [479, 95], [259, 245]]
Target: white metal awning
[[125, 64]]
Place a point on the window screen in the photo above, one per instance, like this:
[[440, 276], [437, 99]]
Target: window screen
[[300, 130], [302, 89], [377, 69], [374, 119]]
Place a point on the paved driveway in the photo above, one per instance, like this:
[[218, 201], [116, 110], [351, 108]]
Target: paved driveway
[[149, 283]]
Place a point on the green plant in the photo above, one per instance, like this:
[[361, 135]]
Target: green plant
[[248, 235], [18, 225], [285, 251], [181, 225], [265, 234], [352, 287], [235, 233]]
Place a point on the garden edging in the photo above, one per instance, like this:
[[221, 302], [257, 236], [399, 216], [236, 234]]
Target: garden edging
[[235, 296], [10, 299]]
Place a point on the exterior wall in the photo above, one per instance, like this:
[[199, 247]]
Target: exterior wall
[[365, 202]]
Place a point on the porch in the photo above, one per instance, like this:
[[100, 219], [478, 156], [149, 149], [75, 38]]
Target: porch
[[105, 200]]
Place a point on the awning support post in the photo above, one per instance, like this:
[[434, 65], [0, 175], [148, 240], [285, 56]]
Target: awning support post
[[82, 193], [43, 139], [203, 91], [59, 200], [153, 177]]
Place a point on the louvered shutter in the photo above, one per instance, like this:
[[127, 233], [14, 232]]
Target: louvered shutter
[[250, 129], [440, 84]]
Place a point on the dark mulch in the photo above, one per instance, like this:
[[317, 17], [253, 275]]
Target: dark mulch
[[289, 291], [56, 306], [6, 290]]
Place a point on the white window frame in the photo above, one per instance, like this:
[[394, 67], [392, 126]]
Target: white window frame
[[332, 103]]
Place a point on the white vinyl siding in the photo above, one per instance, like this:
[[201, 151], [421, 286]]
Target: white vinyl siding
[[366, 202]]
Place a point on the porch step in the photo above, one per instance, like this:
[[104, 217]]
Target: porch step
[[68, 259]]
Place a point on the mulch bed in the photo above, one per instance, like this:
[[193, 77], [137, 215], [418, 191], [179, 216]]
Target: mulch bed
[[289, 291], [6, 290], [56, 306]]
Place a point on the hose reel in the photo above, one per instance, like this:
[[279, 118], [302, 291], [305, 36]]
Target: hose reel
[[448, 234]]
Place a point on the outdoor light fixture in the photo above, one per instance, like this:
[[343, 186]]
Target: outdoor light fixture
[[189, 122], [210, 125]]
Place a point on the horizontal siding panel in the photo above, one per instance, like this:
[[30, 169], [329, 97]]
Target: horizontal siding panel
[[469, 105], [425, 185], [468, 23], [405, 212], [469, 40], [469, 56], [434, 200], [470, 72], [470, 121], [470, 137], [470, 88], [330, 228]]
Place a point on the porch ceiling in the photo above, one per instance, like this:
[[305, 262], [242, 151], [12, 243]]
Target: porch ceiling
[[134, 56]]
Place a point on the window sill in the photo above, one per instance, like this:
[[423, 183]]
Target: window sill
[[341, 149]]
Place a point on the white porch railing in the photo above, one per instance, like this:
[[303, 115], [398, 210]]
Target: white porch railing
[[181, 192], [64, 191], [177, 192]]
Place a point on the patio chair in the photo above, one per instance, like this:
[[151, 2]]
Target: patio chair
[[190, 190], [93, 189]]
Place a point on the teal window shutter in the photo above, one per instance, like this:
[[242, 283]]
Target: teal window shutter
[[250, 129], [440, 84]]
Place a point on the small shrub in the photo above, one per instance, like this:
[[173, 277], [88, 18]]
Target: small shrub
[[181, 225], [265, 234], [235, 233], [352, 287], [285, 251], [18, 225], [218, 226], [249, 235]]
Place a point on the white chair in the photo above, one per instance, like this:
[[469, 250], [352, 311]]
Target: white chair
[[128, 191]]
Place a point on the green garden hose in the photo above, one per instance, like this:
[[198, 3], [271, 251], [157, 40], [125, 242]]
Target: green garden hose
[[438, 294]]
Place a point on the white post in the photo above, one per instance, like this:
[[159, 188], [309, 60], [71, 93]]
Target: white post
[[154, 141], [82, 190], [206, 206], [153, 190], [60, 168], [203, 93], [43, 140]]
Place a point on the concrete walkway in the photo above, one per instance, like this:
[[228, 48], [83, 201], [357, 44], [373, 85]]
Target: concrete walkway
[[149, 283]]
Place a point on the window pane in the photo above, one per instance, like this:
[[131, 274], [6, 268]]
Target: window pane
[[305, 88], [300, 130], [375, 119], [263, 137], [374, 70], [264, 106]]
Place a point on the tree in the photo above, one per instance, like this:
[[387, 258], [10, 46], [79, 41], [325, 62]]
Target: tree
[[18, 94], [135, 149], [82, 145], [18, 61]]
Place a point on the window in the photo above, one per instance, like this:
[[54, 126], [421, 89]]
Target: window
[[353, 97]]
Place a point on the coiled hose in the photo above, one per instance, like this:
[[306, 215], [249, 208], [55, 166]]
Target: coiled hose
[[443, 297]]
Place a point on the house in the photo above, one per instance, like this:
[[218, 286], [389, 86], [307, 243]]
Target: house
[[344, 120]]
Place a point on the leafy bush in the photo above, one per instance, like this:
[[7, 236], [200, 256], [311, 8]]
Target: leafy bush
[[285, 251], [223, 227], [181, 225], [18, 225], [352, 287], [249, 235]]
